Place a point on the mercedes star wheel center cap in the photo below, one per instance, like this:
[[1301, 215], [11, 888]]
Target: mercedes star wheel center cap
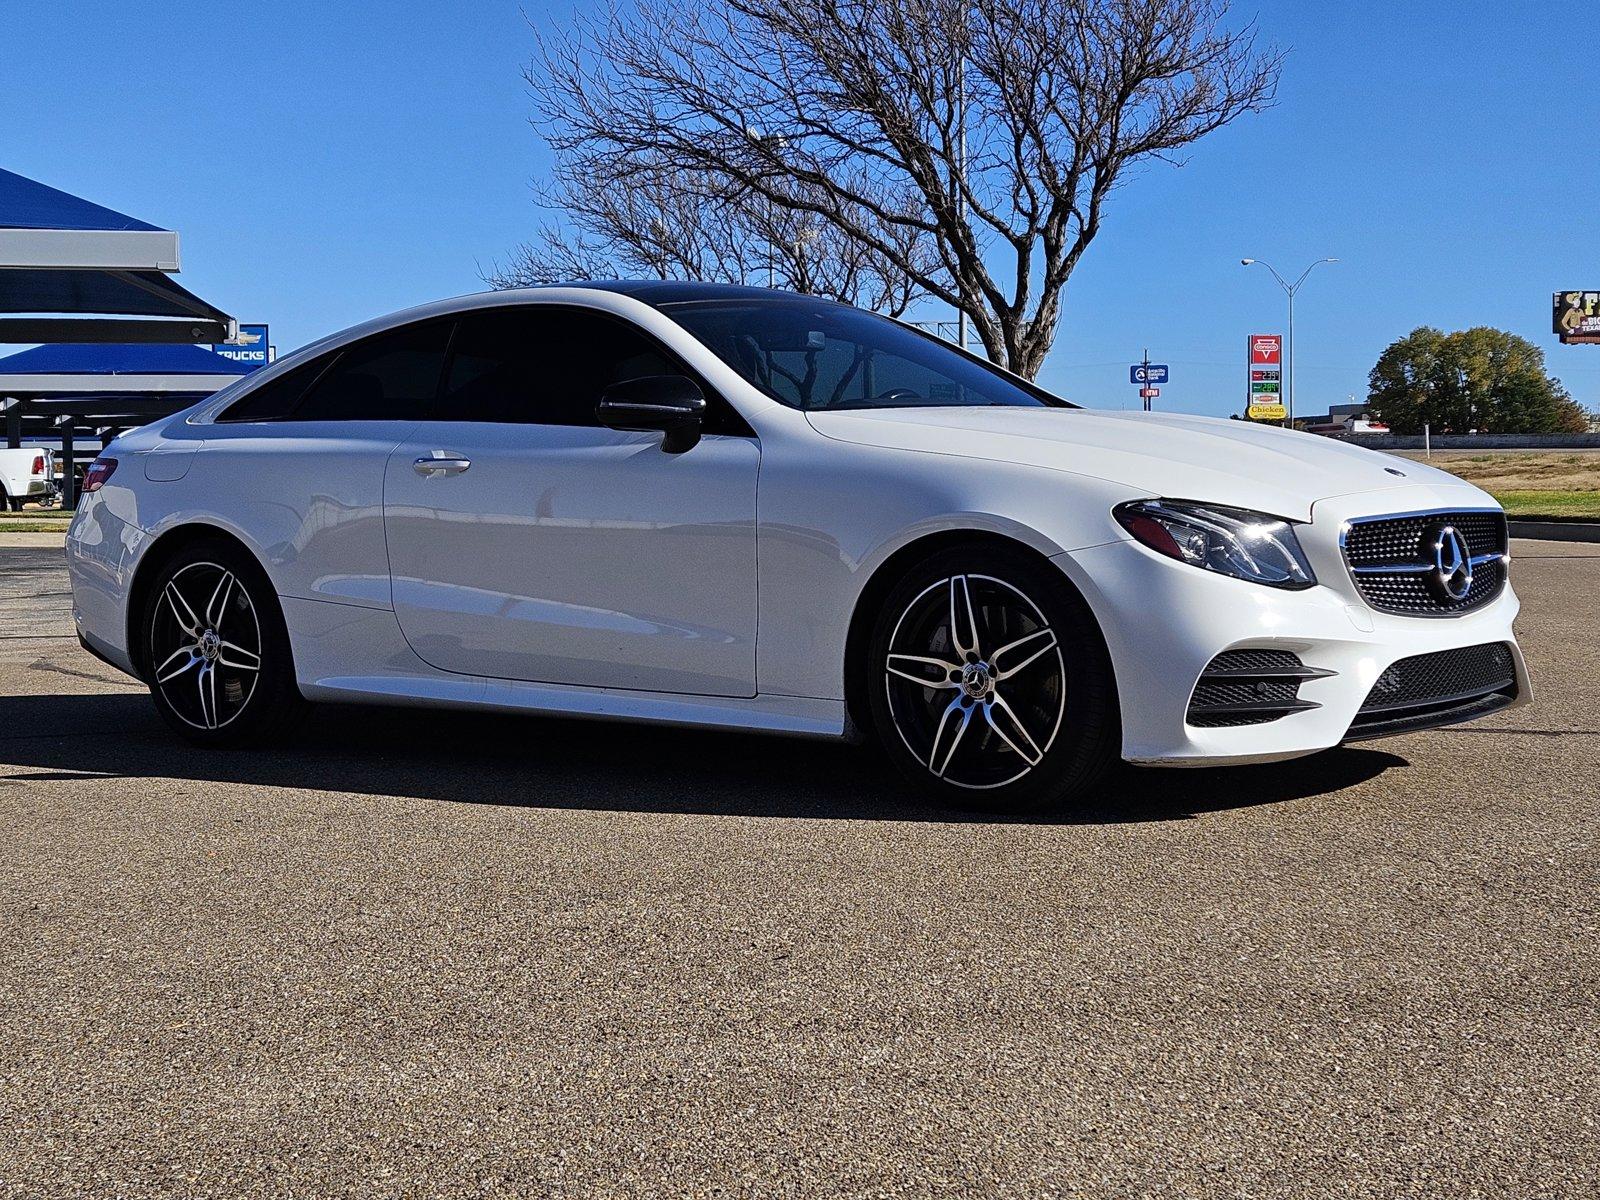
[[976, 680]]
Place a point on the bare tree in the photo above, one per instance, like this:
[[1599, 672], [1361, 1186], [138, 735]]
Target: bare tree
[[670, 224], [968, 146]]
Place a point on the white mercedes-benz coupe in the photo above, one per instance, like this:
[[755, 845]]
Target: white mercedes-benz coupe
[[725, 506]]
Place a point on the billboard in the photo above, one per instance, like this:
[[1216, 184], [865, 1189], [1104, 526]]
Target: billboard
[[251, 348], [1575, 316], [1264, 365]]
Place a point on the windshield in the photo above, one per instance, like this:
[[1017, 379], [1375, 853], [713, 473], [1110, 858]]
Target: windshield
[[815, 354]]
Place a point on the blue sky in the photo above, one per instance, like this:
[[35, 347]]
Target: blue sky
[[325, 163]]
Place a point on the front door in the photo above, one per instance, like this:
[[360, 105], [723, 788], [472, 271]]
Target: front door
[[526, 541]]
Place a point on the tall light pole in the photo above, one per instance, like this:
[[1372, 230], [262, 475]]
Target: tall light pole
[[774, 144], [961, 176], [1289, 289]]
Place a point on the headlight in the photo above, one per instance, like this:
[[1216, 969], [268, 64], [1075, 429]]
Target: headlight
[[1230, 541]]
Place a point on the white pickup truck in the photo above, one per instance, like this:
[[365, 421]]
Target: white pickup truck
[[27, 474]]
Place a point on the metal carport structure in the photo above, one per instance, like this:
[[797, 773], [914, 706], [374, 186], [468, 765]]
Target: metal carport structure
[[75, 271], [93, 392]]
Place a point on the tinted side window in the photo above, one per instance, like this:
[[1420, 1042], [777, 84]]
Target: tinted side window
[[815, 354], [391, 376], [543, 366], [276, 400]]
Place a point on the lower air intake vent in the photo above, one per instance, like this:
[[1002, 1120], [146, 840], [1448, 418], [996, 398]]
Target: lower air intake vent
[[1442, 688], [1250, 687]]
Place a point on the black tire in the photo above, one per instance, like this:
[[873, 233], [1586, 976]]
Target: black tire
[[209, 613], [954, 733]]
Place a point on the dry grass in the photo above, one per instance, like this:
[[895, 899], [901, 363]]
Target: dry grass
[[1560, 484], [1519, 470]]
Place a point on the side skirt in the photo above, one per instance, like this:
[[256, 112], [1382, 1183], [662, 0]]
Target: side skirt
[[769, 714]]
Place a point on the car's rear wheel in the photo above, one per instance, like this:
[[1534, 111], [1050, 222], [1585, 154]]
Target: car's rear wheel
[[989, 683], [217, 655]]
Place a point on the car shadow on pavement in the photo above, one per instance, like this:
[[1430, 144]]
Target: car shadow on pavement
[[489, 758]]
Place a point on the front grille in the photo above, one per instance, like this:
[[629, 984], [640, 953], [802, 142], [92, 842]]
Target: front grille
[[1250, 687], [1394, 567], [1438, 689]]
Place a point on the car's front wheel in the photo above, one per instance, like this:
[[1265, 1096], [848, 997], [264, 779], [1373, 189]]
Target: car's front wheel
[[989, 683], [217, 655]]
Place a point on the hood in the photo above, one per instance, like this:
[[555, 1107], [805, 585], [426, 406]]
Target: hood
[[1182, 457]]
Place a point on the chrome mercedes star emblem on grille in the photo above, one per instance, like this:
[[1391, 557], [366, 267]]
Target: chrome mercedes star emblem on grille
[[1451, 577]]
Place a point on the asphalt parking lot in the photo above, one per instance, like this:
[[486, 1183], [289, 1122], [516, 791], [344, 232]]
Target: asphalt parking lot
[[438, 954]]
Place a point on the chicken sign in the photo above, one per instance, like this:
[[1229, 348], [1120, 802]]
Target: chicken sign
[[1265, 354]]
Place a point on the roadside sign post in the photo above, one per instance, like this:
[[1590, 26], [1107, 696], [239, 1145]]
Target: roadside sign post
[[1289, 289], [1146, 373], [1264, 369]]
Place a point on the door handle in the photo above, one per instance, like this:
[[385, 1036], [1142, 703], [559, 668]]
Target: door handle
[[441, 462]]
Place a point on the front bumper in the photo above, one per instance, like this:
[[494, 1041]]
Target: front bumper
[[1165, 621]]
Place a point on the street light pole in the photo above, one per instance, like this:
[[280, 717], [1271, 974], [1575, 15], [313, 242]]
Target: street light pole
[[774, 144], [961, 177], [1289, 290]]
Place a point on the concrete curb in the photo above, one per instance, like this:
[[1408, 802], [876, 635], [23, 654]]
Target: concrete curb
[[1556, 531]]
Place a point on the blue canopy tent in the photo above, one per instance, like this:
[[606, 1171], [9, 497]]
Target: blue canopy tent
[[73, 270], [95, 391]]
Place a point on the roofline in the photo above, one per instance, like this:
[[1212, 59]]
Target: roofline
[[581, 296]]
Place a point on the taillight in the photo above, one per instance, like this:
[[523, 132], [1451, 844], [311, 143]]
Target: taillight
[[99, 471], [38, 464]]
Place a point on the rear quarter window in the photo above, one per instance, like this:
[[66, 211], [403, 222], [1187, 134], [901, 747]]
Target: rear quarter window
[[276, 399], [390, 376]]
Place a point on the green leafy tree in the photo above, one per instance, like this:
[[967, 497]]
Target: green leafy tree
[[1404, 388], [1474, 379]]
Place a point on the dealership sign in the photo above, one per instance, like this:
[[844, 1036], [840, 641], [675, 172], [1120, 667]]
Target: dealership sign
[[1575, 316], [1264, 352], [251, 348]]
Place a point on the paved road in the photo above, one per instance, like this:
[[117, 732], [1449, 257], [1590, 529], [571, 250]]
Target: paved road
[[417, 954]]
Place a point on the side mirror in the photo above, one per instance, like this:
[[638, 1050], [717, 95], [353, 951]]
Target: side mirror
[[670, 403]]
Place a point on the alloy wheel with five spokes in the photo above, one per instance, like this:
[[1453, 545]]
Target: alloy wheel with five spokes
[[206, 645], [976, 681]]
